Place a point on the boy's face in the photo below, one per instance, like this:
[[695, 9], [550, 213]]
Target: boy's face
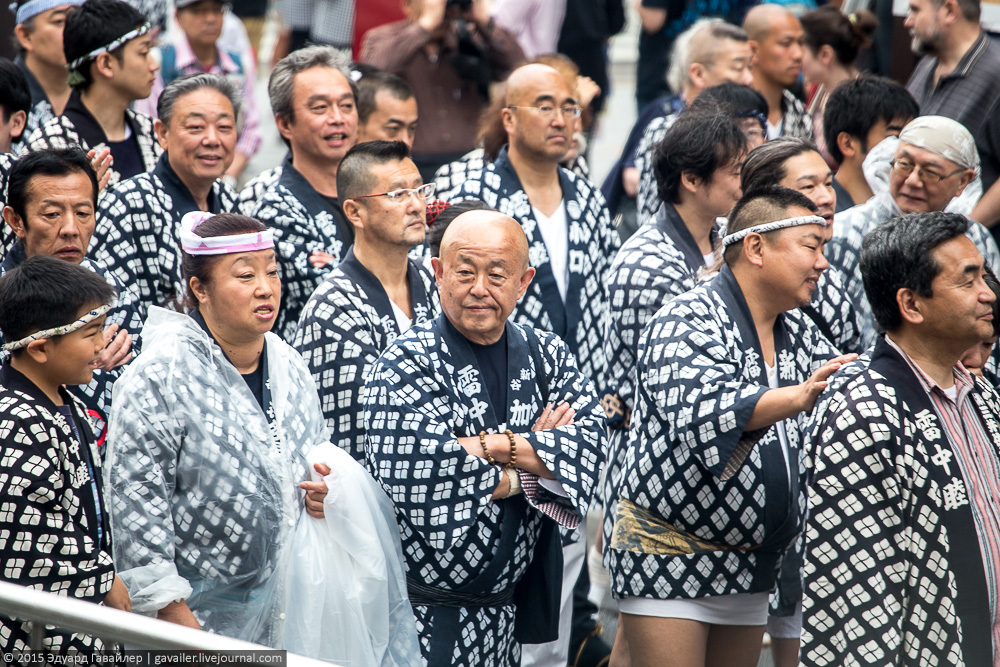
[[72, 358]]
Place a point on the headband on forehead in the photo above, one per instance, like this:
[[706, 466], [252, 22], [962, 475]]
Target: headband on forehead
[[33, 8], [193, 244], [736, 237], [943, 136], [124, 39], [60, 330]]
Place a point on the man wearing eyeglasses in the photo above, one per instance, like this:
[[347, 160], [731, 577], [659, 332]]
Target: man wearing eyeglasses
[[564, 216], [377, 292], [935, 160], [571, 245]]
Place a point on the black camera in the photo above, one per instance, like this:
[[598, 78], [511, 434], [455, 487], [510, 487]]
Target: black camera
[[461, 4]]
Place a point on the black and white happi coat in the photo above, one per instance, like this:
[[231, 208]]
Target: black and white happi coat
[[260, 184], [658, 263], [893, 569], [449, 177], [302, 221], [647, 198], [844, 253], [62, 131], [96, 395], [138, 233], [689, 460], [202, 480], [345, 326], [52, 537], [582, 319], [424, 392]]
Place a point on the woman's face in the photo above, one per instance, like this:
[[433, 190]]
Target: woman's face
[[241, 298], [813, 69], [976, 356]]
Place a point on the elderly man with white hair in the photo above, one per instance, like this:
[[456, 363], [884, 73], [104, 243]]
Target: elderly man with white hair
[[935, 161]]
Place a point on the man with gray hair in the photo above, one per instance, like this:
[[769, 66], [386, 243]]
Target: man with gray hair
[[935, 160], [139, 219], [315, 108], [708, 53]]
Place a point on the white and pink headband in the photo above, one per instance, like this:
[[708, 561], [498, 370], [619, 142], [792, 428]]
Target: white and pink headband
[[193, 244]]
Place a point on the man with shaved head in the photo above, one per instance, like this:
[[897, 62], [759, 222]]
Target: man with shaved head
[[487, 437], [570, 238], [777, 39]]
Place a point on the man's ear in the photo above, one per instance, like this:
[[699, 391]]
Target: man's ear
[[353, 213], [14, 221], [438, 268], [284, 127], [160, 128], [849, 146], [753, 249], [964, 179], [909, 305], [526, 277], [689, 181], [103, 65], [18, 121]]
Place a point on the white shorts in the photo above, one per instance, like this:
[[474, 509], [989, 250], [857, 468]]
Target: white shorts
[[734, 609], [786, 627]]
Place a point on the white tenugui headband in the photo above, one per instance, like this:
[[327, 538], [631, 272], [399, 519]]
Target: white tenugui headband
[[58, 331], [33, 8], [193, 244], [124, 39], [736, 237]]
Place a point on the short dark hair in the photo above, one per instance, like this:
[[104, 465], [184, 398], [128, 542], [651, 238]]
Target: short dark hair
[[94, 24], [699, 144], [200, 266], [898, 254], [447, 216], [856, 106], [46, 162], [734, 99], [14, 92], [760, 206], [765, 165], [371, 84], [45, 292], [354, 173]]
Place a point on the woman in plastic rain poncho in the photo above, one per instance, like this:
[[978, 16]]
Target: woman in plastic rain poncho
[[213, 431]]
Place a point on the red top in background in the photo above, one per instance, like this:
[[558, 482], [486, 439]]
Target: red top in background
[[371, 13]]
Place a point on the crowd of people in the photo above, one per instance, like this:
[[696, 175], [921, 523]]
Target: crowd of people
[[361, 408]]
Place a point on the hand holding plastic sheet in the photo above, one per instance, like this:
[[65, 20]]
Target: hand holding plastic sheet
[[346, 581]]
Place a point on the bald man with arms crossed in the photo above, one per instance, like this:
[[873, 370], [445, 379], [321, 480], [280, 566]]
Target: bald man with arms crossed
[[487, 436]]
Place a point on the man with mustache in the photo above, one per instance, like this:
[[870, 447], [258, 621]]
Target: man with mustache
[[315, 108], [902, 537], [935, 160], [776, 39], [377, 292], [957, 78]]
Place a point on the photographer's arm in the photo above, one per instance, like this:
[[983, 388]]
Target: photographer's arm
[[393, 50]]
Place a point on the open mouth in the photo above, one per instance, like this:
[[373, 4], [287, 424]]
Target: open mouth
[[264, 312]]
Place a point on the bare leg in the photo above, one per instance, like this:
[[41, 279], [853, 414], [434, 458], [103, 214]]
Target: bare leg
[[734, 645], [785, 652], [619, 652], [666, 642]]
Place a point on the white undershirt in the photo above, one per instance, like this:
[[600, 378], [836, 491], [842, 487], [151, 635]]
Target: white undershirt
[[708, 259], [402, 321], [774, 131], [772, 382], [555, 234], [951, 392]]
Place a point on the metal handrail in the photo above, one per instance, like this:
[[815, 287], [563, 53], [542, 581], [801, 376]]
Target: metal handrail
[[133, 630]]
